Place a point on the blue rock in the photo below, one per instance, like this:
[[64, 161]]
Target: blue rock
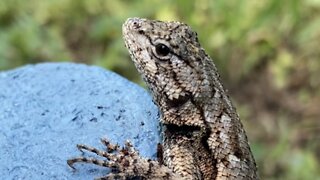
[[46, 109]]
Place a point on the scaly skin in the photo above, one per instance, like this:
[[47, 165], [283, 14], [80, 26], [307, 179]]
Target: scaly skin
[[203, 137]]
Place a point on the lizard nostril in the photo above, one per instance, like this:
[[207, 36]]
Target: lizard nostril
[[133, 23], [136, 25]]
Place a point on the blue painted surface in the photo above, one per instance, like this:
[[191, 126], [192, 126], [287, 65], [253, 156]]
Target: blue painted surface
[[46, 109]]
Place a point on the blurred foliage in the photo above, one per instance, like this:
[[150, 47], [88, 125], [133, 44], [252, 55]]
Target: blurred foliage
[[267, 52]]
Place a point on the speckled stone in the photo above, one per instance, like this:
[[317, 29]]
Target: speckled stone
[[46, 109]]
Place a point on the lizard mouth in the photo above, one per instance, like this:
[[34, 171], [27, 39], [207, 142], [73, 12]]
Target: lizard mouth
[[138, 45]]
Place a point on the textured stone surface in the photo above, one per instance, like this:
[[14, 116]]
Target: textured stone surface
[[46, 109]]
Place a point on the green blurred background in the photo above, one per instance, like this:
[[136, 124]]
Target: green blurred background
[[267, 52]]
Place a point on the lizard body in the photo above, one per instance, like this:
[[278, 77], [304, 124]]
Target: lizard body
[[203, 137]]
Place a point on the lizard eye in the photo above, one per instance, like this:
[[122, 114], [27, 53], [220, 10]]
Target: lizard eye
[[162, 50]]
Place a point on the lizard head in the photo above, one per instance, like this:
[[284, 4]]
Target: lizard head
[[170, 59]]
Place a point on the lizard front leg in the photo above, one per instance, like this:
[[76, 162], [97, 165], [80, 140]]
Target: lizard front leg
[[125, 163]]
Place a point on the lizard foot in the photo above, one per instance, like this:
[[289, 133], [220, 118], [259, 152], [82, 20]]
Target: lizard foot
[[125, 162]]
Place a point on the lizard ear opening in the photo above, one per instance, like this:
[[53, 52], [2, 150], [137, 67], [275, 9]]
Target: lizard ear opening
[[180, 101]]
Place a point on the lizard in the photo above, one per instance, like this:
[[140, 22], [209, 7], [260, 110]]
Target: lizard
[[202, 135]]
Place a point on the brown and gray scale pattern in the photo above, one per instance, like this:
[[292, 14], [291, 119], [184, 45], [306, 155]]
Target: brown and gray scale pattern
[[203, 137]]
